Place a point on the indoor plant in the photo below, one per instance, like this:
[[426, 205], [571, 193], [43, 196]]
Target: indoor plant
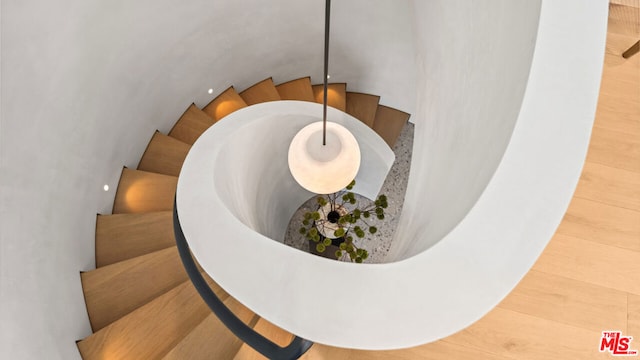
[[338, 216]]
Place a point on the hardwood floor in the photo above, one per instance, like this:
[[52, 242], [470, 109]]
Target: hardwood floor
[[588, 278]]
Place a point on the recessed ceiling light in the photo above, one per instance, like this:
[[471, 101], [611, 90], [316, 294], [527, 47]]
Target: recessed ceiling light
[[106, 187], [210, 91]]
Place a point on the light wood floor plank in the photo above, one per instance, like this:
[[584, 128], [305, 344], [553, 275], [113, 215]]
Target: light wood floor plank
[[567, 301], [260, 92], [142, 191], [519, 336], [212, 339], [633, 325], [191, 125], [606, 224], [610, 185], [298, 89], [623, 20], [336, 95], [614, 148], [591, 262], [618, 113], [271, 332], [224, 104], [435, 351]]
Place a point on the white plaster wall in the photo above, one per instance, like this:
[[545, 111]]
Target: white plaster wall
[[465, 275], [470, 90], [85, 84], [377, 55]]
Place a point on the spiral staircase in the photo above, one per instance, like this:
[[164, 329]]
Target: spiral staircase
[[140, 301]]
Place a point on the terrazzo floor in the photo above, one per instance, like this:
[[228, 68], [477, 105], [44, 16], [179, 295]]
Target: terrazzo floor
[[394, 188]]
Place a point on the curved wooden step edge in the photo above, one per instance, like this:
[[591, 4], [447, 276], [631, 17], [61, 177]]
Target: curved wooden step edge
[[152, 330], [362, 106], [298, 89], [114, 291], [191, 125], [164, 155], [260, 92], [140, 191], [336, 95], [212, 339], [125, 236], [389, 123], [271, 332], [224, 104]]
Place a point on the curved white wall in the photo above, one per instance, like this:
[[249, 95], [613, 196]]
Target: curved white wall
[[85, 84], [446, 288], [470, 90], [249, 147]]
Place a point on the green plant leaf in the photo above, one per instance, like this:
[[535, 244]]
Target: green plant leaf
[[320, 248], [326, 241], [303, 230], [373, 229], [316, 215], [338, 254], [351, 185], [366, 214], [339, 232], [343, 246], [359, 260]]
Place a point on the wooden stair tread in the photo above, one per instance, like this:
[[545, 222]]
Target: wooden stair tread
[[115, 290], [260, 92], [152, 330], [224, 104], [191, 125], [141, 191], [336, 95], [124, 236], [298, 89], [271, 332], [164, 155], [362, 106], [389, 122], [212, 339]]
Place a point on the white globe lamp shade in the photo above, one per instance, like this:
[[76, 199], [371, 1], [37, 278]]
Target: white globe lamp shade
[[324, 169]]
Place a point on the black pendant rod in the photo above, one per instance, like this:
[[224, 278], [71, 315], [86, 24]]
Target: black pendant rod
[[327, 13]]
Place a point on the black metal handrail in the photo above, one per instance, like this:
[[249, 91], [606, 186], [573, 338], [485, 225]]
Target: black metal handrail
[[261, 344]]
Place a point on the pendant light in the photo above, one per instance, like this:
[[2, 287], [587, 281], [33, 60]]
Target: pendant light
[[324, 157]]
